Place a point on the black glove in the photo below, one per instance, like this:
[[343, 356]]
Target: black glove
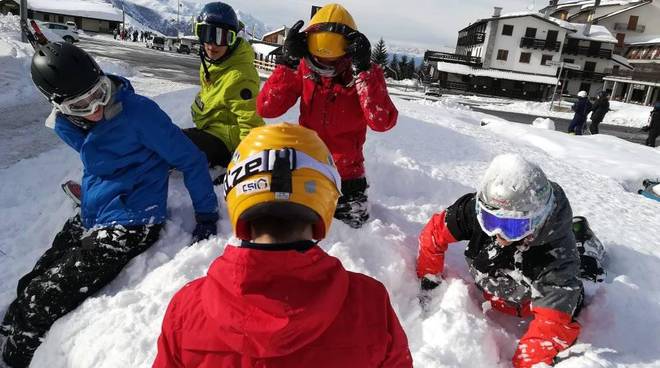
[[295, 46], [359, 49], [205, 226], [427, 284]]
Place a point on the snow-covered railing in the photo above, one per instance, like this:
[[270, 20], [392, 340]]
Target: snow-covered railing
[[264, 65]]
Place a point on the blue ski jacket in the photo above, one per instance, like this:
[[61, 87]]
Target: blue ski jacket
[[127, 157], [581, 108]]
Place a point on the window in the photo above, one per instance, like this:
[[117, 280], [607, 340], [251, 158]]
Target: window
[[621, 38], [530, 32], [632, 22], [507, 30], [589, 66], [502, 55], [525, 57], [585, 87], [569, 61], [545, 59], [60, 18]]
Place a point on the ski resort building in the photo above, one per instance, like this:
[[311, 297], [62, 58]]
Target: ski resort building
[[636, 26], [92, 16], [519, 55]]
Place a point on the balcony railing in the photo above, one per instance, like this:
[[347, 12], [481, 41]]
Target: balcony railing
[[471, 39], [587, 51], [452, 58], [646, 76], [535, 43], [624, 27], [588, 76]]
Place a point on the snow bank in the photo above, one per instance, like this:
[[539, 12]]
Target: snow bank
[[542, 123], [435, 154], [15, 58]]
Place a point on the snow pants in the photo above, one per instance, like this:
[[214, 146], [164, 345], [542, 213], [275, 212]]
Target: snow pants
[[576, 126], [593, 128], [77, 265], [213, 147], [352, 205]]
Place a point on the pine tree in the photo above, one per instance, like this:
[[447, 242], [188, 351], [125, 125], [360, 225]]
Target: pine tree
[[403, 66], [379, 53], [394, 65], [410, 70]]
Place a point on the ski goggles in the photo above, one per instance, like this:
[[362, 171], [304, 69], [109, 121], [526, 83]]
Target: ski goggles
[[510, 226], [342, 29], [88, 102], [209, 33], [264, 162]]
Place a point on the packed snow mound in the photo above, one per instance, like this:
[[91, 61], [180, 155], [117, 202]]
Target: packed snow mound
[[435, 154], [15, 57], [544, 123]]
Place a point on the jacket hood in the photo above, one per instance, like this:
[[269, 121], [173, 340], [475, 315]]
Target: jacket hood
[[560, 221], [272, 303]]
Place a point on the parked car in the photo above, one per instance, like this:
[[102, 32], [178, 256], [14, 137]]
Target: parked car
[[156, 42], [182, 48], [67, 33], [72, 25], [433, 89]]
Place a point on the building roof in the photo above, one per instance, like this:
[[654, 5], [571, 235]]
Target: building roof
[[95, 9], [643, 40], [264, 48], [631, 7], [596, 33], [622, 61], [273, 32], [493, 73]]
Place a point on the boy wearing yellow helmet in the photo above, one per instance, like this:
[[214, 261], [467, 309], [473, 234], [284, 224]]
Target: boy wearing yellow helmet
[[278, 299], [328, 66]]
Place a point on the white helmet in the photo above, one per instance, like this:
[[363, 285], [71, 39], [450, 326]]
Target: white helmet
[[582, 94], [514, 198]]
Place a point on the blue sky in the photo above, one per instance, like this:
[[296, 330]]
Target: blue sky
[[414, 23]]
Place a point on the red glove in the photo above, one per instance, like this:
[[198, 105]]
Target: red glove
[[433, 242], [550, 332]]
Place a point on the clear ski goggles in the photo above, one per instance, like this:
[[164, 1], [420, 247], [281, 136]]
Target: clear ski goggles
[[88, 102], [209, 33], [510, 225], [264, 162]]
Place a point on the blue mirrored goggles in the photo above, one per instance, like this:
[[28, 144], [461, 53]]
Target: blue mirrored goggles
[[511, 229], [209, 33]]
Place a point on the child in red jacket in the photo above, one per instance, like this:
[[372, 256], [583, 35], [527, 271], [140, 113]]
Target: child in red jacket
[[277, 299], [328, 66]]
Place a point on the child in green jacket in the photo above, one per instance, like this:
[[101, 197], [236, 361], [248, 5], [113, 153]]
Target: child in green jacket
[[224, 110]]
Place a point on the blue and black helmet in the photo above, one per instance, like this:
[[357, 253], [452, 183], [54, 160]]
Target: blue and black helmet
[[219, 14]]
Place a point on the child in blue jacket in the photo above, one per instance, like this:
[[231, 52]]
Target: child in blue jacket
[[127, 145]]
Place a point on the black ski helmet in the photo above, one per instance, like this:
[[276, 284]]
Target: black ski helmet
[[219, 14], [62, 71]]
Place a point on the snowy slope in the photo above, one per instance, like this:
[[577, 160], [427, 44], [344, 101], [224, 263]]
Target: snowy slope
[[436, 153]]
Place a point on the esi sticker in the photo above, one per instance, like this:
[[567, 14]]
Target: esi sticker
[[253, 186]]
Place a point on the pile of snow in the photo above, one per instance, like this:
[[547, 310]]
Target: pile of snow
[[435, 154], [15, 58], [628, 114], [96, 9], [544, 123]]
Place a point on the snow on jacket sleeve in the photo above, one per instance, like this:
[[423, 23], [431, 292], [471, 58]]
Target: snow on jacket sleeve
[[161, 135], [241, 97], [169, 342], [550, 332], [69, 133], [280, 92], [377, 107], [398, 354], [444, 228]]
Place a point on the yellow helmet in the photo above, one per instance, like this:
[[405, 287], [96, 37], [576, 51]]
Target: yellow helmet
[[282, 170], [327, 31]]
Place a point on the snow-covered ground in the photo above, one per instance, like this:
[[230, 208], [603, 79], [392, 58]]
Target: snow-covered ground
[[624, 114], [437, 152]]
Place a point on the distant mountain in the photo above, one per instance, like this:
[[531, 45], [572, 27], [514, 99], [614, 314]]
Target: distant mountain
[[161, 16]]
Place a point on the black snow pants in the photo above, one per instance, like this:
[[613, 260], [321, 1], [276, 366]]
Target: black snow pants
[[352, 205], [213, 147], [593, 127], [77, 265]]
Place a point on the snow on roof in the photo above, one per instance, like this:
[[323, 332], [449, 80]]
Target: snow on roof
[[89, 9], [273, 32], [589, 3], [621, 60], [263, 49], [492, 73], [643, 40], [596, 33], [633, 6]]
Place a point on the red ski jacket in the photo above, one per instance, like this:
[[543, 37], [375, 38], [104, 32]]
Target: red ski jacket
[[260, 308], [339, 113]]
